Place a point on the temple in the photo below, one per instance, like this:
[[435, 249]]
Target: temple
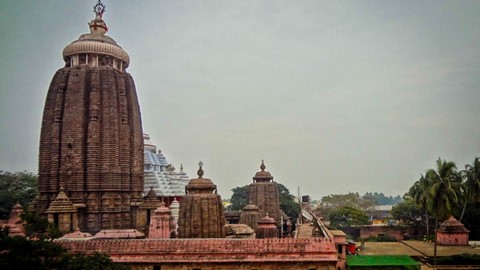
[[161, 176], [201, 210], [263, 193], [91, 140]]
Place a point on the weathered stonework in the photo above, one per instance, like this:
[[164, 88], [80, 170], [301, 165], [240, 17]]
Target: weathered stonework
[[263, 192], [91, 141], [218, 254], [201, 210]]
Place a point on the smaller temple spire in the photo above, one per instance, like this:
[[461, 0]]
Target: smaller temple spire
[[263, 167], [200, 170]]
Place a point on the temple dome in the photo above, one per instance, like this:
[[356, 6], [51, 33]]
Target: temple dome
[[96, 43], [262, 176], [200, 184]]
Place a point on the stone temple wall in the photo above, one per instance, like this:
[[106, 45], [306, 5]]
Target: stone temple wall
[[313, 253]]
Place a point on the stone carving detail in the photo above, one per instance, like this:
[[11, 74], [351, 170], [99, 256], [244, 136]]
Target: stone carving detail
[[91, 139]]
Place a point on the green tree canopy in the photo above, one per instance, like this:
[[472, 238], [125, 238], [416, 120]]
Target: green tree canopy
[[16, 187], [22, 253], [348, 216], [409, 213]]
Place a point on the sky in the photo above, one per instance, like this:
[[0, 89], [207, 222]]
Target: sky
[[335, 96]]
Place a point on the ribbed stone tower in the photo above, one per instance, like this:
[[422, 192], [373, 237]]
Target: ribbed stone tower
[[263, 192], [201, 210], [91, 141]]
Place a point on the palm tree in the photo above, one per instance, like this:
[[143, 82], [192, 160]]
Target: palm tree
[[419, 193], [444, 193], [471, 174]]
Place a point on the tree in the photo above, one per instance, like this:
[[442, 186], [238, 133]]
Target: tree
[[16, 187], [471, 174], [239, 198], [419, 192], [38, 227], [336, 201], [409, 213], [348, 216], [287, 202], [444, 192], [22, 253]]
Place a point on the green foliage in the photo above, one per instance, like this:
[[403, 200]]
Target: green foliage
[[381, 199], [287, 202], [39, 227], [239, 198], [348, 216], [21, 253], [409, 213], [472, 216], [16, 187], [334, 202], [445, 189], [460, 259]]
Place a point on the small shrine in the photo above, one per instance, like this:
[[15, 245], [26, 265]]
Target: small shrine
[[266, 228], [201, 210], [452, 233]]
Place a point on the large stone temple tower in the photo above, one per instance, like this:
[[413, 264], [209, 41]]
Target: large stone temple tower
[[263, 192], [201, 210], [91, 141]]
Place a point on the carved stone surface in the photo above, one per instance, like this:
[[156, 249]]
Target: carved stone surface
[[91, 140], [201, 210], [263, 192], [215, 254]]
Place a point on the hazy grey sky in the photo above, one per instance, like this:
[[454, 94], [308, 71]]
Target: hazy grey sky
[[336, 96]]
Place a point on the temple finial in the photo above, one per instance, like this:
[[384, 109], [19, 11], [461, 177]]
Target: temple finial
[[200, 170], [181, 167], [99, 8], [262, 167]]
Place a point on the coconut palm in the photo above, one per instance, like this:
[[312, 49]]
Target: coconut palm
[[471, 175], [444, 193], [419, 192]]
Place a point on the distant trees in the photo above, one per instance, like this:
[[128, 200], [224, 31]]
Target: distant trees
[[381, 199], [335, 202], [409, 213], [16, 187], [348, 216]]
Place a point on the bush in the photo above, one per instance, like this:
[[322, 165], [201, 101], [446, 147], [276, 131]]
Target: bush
[[460, 259]]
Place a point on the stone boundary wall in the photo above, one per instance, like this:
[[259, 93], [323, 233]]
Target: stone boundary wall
[[208, 250]]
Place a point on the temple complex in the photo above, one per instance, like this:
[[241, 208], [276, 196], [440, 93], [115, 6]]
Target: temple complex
[[91, 140], [263, 192], [159, 175], [201, 210]]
